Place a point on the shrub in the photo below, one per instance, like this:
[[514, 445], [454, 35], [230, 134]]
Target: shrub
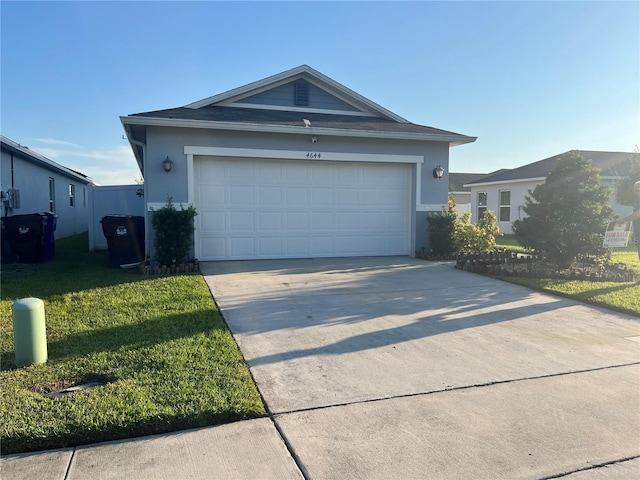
[[441, 227], [478, 238], [173, 233]]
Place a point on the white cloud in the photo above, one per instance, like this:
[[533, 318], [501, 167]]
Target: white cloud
[[114, 165], [54, 141]]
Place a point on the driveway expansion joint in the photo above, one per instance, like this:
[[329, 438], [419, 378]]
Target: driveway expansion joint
[[592, 467], [452, 389]]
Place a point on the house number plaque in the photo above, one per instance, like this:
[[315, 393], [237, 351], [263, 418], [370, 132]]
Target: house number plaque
[[313, 155]]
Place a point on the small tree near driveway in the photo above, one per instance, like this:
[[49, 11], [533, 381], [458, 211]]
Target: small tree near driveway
[[567, 214]]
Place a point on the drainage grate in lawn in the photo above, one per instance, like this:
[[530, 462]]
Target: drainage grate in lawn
[[75, 384]]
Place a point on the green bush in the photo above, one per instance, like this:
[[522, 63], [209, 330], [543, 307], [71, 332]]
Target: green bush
[[173, 233], [478, 238], [441, 228]]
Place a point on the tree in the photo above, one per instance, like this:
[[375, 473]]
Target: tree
[[624, 186], [566, 215]]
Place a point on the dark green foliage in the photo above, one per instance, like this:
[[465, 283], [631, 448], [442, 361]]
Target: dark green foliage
[[173, 233], [441, 228], [567, 215], [624, 187]]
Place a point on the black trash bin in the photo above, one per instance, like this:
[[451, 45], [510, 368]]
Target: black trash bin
[[125, 238], [26, 235], [49, 243]]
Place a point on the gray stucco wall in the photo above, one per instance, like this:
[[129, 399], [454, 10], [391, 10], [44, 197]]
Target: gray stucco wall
[[163, 142]]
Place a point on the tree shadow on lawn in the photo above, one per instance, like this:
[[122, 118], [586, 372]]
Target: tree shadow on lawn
[[137, 335]]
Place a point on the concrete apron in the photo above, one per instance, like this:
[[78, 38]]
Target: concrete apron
[[396, 367]]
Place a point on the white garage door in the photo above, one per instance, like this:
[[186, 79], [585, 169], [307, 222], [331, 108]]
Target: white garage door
[[249, 208]]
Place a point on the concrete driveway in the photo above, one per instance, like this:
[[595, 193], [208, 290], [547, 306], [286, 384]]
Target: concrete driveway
[[399, 368]]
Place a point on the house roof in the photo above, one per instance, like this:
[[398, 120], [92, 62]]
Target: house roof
[[610, 164], [457, 181], [225, 111], [251, 116], [38, 159]]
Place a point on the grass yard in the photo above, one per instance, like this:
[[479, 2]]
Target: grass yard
[[623, 297], [170, 360]]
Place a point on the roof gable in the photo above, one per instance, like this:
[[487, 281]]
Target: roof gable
[[610, 164], [273, 93]]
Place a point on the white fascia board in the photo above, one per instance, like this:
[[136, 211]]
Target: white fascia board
[[503, 182], [315, 155], [256, 87], [256, 106], [453, 139]]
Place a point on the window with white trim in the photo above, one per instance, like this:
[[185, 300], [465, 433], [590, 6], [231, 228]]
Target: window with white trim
[[505, 206], [482, 204], [72, 195]]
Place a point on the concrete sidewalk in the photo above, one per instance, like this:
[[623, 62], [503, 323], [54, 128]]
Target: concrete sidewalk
[[399, 368]]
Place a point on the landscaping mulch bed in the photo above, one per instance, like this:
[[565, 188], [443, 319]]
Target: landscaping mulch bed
[[509, 263]]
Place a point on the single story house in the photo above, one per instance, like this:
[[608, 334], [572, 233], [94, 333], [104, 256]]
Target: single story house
[[504, 191], [32, 183], [294, 165], [459, 192]]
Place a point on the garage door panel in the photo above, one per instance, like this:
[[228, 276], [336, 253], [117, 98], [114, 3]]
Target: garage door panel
[[242, 222], [270, 196], [241, 195], [252, 208], [211, 171], [322, 246], [211, 222], [297, 246], [321, 221], [322, 173], [322, 196], [238, 171], [297, 221], [212, 195], [270, 221], [215, 246], [242, 247], [270, 246], [296, 196]]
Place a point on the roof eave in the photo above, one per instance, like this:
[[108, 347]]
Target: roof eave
[[50, 164], [498, 182], [451, 138]]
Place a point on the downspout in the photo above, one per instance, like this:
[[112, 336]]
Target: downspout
[[143, 147]]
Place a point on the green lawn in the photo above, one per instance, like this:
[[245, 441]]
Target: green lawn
[[170, 359], [623, 297]]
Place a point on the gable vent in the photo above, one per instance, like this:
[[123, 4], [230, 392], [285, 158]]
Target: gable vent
[[301, 93]]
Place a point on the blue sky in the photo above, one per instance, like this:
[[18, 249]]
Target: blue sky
[[529, 79]]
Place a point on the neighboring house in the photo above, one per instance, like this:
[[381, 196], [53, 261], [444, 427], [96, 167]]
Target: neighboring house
[[294, 165], [459, 191], [504, 191], [32, 183]]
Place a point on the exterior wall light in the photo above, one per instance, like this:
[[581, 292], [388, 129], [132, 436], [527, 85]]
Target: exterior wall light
[[438, 172], [167, 164]]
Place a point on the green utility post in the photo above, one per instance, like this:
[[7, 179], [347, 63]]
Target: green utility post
[[29, 332]]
